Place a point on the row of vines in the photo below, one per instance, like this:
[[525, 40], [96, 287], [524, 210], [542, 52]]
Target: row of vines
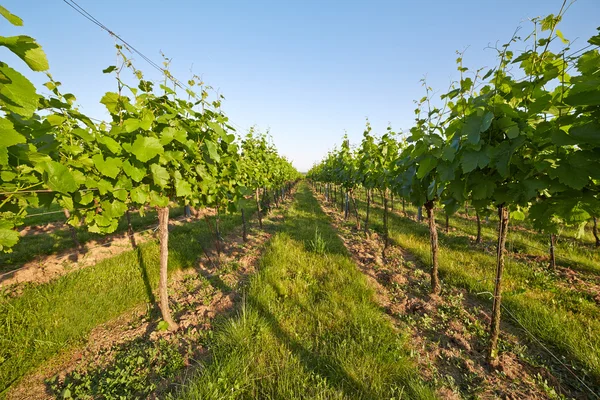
[[521, 139], [157, 149]]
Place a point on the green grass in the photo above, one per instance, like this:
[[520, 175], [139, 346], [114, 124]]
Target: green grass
[[31, 246], [52, 317], [564, 319], [309, 328]]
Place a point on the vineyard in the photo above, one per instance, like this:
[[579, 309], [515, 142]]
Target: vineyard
[[164, 254]]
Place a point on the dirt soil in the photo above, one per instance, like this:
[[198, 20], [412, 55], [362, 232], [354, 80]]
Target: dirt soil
[[448, 333], [46, 268], [212, 289]]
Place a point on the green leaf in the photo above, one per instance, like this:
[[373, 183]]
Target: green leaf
[[583, 98], [111, 144], [26, 49], [182, 188], [561, 138], [59, 178], [158, 200], [472, 159], [86, 198], [17, 93], [146, 148], [425, 166], [587, 133], [82, 133], [147, 119], [111, 101], [517, 215], [131, 124], [471, 128], [211, 148], [8, 135], [445, 171], [448, 153], [570, 177], [135, 173], [111, 167], [162, 326], [587, 64], [483, 189], [512, 132], [486, 121], [160, 175], [561, 36], [8, 238], [12, 18], [140, 194], [110, 69]]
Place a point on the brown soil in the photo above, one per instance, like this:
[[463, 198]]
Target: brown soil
[[47, 268], [448, 333], [211, 289]]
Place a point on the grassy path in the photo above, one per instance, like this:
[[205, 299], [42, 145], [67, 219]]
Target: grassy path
[[309, 327]]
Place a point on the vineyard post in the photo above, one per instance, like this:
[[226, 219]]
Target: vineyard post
[[496, 307], [130, 229], [447, 223], [244, 234], [217, 232], [419, 213], [346, 206], [355, 212], [552, 255], [595, 232], [72, 230], [368, 194], [433, 238], [258, 210], [163, 229], [385, 223], [478, 239]]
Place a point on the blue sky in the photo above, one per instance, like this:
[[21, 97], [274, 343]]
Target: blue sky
[[308, 70]]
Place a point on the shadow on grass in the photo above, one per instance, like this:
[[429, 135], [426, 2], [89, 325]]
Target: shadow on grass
[[311, 360]]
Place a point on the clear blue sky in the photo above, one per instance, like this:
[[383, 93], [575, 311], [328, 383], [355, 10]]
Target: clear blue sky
[[308, 70]]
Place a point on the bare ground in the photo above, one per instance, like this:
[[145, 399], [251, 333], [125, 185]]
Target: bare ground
[[46, 268]]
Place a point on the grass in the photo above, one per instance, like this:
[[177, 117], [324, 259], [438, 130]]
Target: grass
[[31, 246], [566, 320], [49, 318], [308, 328]]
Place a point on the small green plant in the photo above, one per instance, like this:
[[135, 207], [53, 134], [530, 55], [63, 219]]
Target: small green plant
[[318, 245], [136, 371]]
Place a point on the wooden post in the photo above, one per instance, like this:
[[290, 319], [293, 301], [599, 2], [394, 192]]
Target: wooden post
[[552, 255], [368, 209], [496, 307], [244, 234], [163, 234], [130, 230], [259, 212], [72, 229], [595, 232], [433, 239], [478, 239]]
